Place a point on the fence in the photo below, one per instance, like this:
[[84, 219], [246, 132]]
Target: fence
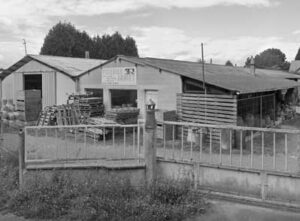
[[207, 109], [259, 111], [87, 144], [253, 148]]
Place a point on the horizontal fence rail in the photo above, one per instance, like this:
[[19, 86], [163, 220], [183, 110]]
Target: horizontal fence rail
[[85, 143], [268, 149]]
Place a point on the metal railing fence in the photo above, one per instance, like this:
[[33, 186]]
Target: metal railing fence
[[241, 147], [83, 142]]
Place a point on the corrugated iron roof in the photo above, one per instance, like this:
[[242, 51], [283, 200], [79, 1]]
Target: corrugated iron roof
[[230, 78], [67, 65], [295, 67]]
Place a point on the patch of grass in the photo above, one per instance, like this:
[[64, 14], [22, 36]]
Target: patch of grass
[[106, 198], [9, 175]]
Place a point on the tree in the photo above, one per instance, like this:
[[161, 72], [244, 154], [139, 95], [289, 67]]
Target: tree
[[298, 55], [64, 39], [270, 58], [228, 63]]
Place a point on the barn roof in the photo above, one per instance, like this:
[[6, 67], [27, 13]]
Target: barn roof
[[236, 79], [67, 65], [295, 67]]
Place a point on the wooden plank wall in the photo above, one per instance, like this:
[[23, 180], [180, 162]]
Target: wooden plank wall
[[207, 109]]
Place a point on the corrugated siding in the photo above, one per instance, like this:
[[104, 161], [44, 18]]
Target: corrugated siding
[[48, 87], [18, 84]]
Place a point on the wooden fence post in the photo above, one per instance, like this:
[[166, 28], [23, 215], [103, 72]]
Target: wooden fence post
[[21, 157], [150, 144]]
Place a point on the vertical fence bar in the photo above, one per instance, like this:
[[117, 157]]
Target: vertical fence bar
[[241, 148], [251, 154], [173, 141], [124, 153], [104, 136], [210, 144], [262, 149], [230, 146], [191, 150], [200, 145], [164, 139], [138, 141], [274, 109], [286, 153], [84, 140], [56, 144], [274, 150], [182, 142], [113, 136], [66, 143], [133, 140], [220, 153], [94, 139], [25, 142]]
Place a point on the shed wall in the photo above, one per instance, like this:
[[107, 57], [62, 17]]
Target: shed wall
[[65, 87], [56, 86], [148, 78]]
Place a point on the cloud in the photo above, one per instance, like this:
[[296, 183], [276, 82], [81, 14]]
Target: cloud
[[166, 42], [31, 19], [296, 32]]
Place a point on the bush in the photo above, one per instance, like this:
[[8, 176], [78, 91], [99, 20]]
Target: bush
[[106, 198]]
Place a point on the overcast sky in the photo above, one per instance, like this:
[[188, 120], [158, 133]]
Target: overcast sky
[[174, 29]]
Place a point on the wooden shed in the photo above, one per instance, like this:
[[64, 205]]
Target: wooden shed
[[54, 76]]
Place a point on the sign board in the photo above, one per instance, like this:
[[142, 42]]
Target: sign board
[[119, 76]]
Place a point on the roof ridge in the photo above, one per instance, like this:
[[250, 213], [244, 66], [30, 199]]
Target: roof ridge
[[55, 56]]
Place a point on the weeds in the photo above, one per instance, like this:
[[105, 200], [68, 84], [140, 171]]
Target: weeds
[[107, 198]]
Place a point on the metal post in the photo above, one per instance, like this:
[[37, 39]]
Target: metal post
[[21, 157], [150, 144]]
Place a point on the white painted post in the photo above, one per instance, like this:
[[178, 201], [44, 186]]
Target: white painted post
[[150, 144]]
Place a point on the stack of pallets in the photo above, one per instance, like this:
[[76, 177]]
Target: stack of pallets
[[128, 115], [47, 116], [91, 106], [102, 130]]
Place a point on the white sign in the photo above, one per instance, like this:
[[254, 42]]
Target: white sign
[[119, 76]]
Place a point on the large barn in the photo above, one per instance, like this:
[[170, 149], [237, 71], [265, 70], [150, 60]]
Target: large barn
[[131, 81], [55, 76]]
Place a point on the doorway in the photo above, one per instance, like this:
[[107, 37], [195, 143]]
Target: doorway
[[33, 82]]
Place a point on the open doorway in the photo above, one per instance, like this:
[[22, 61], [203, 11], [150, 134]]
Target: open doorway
[[33, 82]]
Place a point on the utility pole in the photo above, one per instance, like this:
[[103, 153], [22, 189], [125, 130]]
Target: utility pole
[[25, 46], [203, 75]]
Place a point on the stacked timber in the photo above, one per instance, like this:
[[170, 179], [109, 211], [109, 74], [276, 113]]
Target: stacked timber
[[98, 132], [47, 116], [128, 115], [91, 106], [207, 109]]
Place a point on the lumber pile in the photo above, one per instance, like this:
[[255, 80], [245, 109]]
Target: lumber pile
[[128, 115], [98, 132], [91, 106], [47, 116], [60, 115]]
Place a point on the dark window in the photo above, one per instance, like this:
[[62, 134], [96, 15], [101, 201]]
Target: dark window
[[123, 98]]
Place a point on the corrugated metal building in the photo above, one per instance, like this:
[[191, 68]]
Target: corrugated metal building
[[132, 81], [55, 76]]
